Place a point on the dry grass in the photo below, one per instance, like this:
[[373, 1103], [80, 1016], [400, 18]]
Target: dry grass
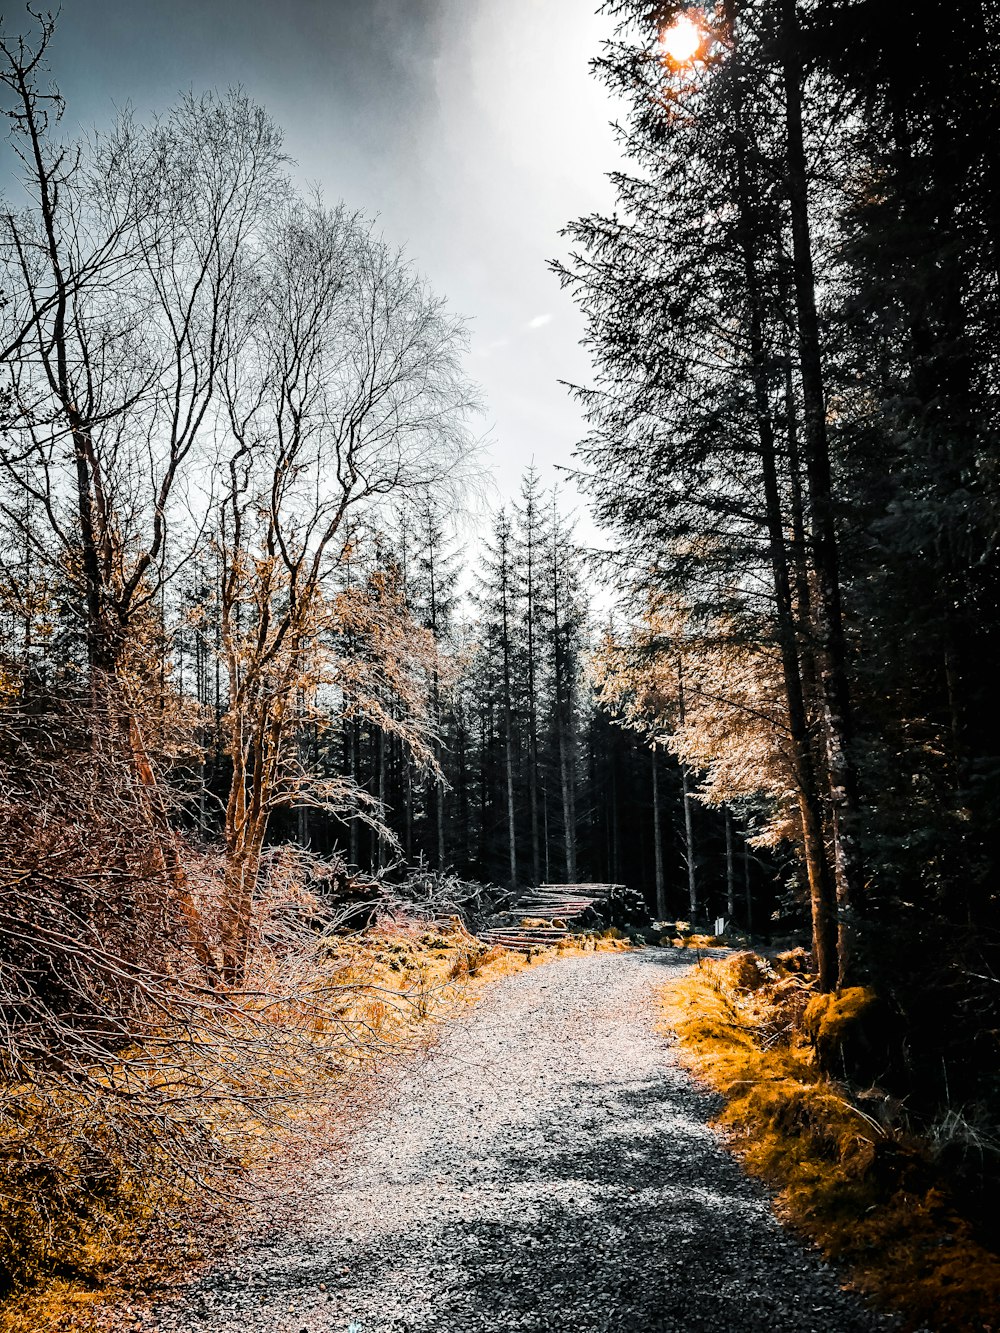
[[694, 941], [846, 1172], [384, 991], [611, 940], [683, 935], [381, 994]]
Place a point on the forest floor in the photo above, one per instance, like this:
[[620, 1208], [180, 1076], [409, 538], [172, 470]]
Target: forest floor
[[547, 1165]]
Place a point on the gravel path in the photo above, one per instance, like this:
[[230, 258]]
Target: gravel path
[[548, 1166]]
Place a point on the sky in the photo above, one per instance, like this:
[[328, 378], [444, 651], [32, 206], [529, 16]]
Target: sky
[[472, 128]]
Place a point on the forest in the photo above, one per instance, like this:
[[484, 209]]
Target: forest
[[268, 639], [792, 319]]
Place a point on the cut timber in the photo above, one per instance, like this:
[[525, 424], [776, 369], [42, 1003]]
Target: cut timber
[[546, 914]]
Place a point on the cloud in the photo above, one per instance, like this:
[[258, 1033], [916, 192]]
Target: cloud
[[487, 349], [538, 321]]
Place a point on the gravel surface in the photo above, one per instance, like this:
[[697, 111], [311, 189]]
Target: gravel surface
[[548, 1166]]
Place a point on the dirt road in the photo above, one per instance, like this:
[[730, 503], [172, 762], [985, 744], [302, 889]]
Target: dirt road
[[547, 1167]]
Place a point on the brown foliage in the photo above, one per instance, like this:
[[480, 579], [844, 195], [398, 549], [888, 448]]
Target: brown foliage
[[732, 729], [127, 1072]]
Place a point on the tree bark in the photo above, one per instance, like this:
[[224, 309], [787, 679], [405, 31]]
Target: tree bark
[[353, 742], [532, 713], [823, 537], [568, 801], [382, 793], [688, 821], [821, 891], [661, 888], [545, 834], [564, 719], [508, 727]]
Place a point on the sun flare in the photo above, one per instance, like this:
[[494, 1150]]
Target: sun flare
[[682, 39]]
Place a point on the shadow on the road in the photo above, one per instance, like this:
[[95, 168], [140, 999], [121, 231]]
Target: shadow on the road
[[667, 956], [640, 1226]]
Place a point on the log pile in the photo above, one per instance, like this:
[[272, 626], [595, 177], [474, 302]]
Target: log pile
[[551, 912]]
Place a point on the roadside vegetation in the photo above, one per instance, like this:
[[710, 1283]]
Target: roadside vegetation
[[146, 1107], [107, 1180], [792, 315], [903, 1204]]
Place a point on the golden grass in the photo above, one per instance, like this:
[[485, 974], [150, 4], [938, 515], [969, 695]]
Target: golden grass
[[611, 940], [393, 985], [683, 935], [694, 941], [864, 1191]]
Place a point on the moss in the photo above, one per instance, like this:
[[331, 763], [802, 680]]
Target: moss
[[828, 1019], [865, 1191]]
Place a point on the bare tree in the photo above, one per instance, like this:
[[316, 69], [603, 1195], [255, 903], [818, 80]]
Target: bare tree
[[346, 391], [120, 273]]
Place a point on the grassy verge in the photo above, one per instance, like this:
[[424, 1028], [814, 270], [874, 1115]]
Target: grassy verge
[[847, 1173], [84, 1251]]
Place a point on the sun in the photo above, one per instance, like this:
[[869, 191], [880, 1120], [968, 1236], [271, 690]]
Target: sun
[[682, 39]]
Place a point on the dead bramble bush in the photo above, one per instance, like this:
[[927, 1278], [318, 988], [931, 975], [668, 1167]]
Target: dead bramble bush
[[130, 1073]]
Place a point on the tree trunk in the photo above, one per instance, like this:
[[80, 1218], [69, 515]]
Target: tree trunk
[[255, 750], [545, 820], [530, 537], [511, 832], [304, 748], [508, 731], [688, 822], [825, 557], [462, 792], [730, 868], [615, 870], [564, 718], [353, 742], [382, 793], [484, 750], [568, 803], [824, 933], [242, 871], [173, 866], [439, 812], [408, 814], [689, 847], [536, 863], [661, 887]]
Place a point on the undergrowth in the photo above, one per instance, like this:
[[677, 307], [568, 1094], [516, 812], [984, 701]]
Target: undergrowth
[[850, 1174], [685, 935], [88, 1210]]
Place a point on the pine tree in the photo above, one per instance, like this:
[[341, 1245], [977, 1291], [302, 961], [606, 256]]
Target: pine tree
[[532, 537], [497, 599]]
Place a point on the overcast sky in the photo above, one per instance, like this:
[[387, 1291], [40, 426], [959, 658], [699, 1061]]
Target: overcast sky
[[471, 127]]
